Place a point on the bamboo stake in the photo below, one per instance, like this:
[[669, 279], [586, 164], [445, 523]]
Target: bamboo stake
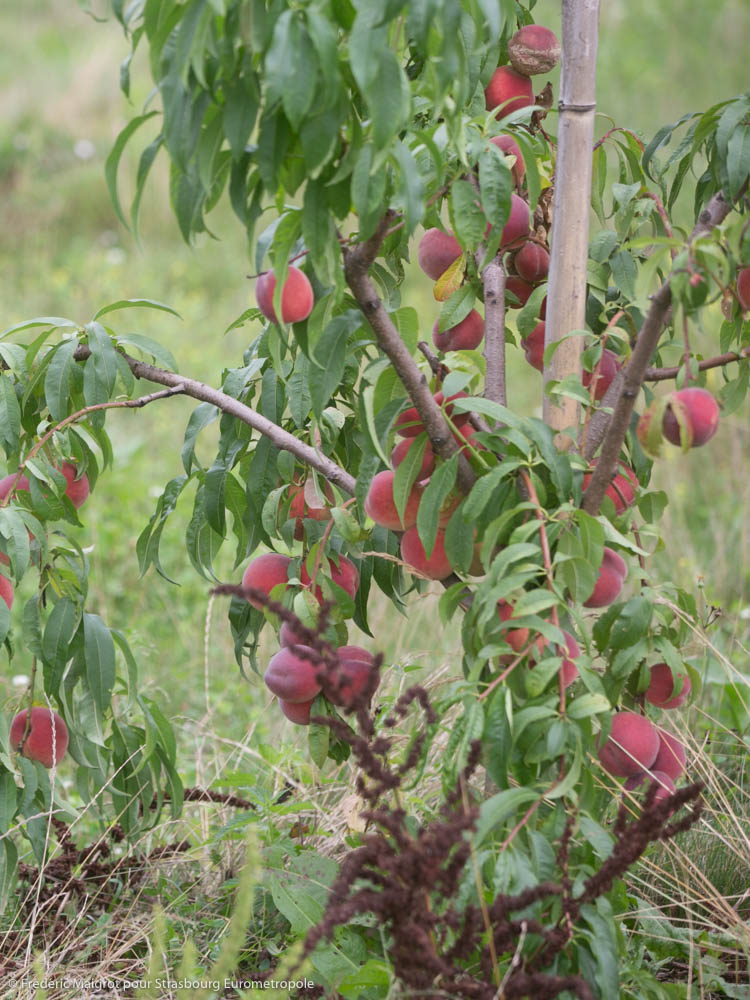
[[566, 297]]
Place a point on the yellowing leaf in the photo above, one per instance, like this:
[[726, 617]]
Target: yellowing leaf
[[450, 281]]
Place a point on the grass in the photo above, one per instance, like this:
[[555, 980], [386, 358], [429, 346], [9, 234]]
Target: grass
[[63, 251]]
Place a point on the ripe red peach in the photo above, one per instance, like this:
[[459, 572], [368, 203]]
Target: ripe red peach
[[77, 490], [520, 289], [266, 572], [345, 575], [464, 336], [297, 712], [291, 676], [609, 366], [517, 638], [464, 436], [437, 567], [743, 287], [288, 636], [9, 482], [632, 745], [659, 778], [509, 146], [355, 667], [671, 756], [381, 506], [509, 89], [408, 424], [532, 262], [609, 583], [436, 252], [517, 226], [47, 739], [534, 49], [661, 685], [6, 591], [401, 450], [297, 298], [701, 415], [299, 507], [622, 490], [533, 346]]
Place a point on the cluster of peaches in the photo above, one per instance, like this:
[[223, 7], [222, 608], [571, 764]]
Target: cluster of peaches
[[294, 674], [45, 739]]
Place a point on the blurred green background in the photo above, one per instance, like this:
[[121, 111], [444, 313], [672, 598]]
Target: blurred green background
[[63, 252]]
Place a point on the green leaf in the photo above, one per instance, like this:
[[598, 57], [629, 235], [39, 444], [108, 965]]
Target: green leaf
[[8, 866], [241, 103], [494, 811], [631, 623], [738, 159], [10, 415], [113, 161], [406, 474], [136, 304], [160, 354], [624, 273], [99, 653], [8, 801], [495, 185], [58, 634], [586, 705], [57, 379], [330, 358], [388, 99], [467, 218], [440, 485], [99, 370], [291, 66], [456, 307]]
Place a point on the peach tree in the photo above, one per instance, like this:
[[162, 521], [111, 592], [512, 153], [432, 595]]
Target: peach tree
[[363, 446]]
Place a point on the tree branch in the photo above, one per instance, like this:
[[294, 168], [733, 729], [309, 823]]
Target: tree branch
[[227, 404], [634, 374], [493, 279], [357, 263], [663, 374]]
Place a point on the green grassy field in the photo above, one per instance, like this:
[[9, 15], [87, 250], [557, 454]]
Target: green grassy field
[[63, 252]]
